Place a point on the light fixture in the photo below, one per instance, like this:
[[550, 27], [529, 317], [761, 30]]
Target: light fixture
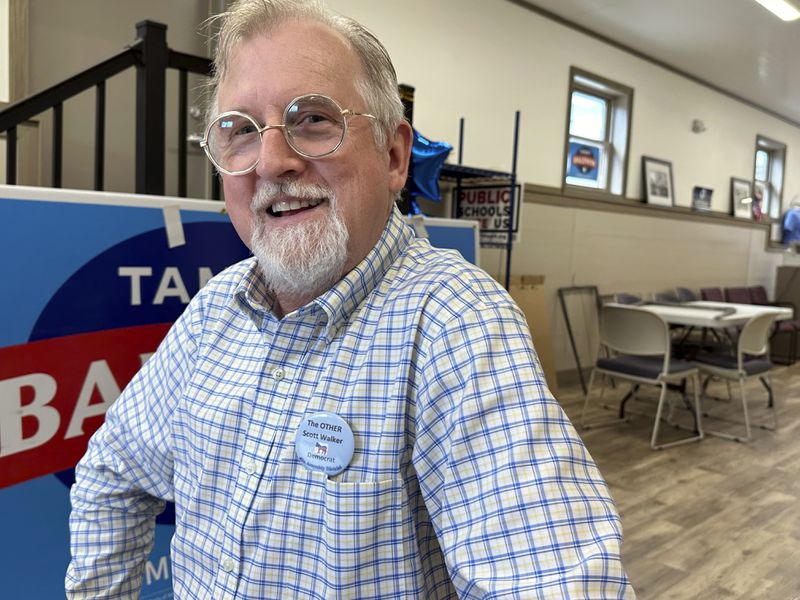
[[783, 9]]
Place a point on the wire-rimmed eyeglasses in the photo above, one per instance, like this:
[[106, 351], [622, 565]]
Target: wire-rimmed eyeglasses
[[314, 126]]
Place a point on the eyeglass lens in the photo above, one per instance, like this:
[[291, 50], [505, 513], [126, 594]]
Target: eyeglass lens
[[313, 126]]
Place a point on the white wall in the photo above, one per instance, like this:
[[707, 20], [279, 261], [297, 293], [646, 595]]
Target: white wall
[[483, 59]]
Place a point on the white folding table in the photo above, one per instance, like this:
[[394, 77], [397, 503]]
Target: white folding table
[[716, 315]]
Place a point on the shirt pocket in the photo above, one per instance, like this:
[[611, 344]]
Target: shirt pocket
[[369, 533]]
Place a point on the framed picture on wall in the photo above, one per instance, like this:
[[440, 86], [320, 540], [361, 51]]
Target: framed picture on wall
[[701, 198], [657, 181], [741, 198]]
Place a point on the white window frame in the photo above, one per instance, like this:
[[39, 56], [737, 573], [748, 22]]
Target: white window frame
[[613, 164], [773, 184]]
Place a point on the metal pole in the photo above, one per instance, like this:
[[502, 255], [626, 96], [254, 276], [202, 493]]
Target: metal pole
[[513, 189], [454, 212]]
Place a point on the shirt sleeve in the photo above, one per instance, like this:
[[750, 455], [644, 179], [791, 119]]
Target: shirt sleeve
[[517, 503], [125, 477]]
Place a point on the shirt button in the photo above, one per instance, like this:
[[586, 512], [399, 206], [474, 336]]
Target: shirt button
[[278, 374], [250, 467], [227, 565]]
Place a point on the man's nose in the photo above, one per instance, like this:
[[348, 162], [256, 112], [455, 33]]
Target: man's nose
[[276, 158]]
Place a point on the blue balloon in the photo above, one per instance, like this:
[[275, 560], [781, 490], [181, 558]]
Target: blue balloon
[[427, 158]]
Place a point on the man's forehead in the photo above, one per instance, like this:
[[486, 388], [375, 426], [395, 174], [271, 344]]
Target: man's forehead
[[304, 56], [305, 42]]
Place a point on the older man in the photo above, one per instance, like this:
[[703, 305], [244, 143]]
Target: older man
[[351, 413]]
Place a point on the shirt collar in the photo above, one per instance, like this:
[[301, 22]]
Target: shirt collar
[[344, 297]]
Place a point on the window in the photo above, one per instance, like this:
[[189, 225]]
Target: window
[[597, 133], [768, 184]]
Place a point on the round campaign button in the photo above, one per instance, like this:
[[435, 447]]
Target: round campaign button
[[324, 442]]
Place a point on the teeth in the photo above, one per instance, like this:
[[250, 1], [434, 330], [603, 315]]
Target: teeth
[[295, 204]]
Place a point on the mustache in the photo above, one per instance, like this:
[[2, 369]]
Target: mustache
[[268, 192]]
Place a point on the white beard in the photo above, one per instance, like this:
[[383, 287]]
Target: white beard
[[303, 260]]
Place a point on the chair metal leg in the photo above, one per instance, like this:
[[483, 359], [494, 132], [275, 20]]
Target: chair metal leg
[[768, 387], [770, 403], [764, 379], [744, 409], [696, 438], [729, 436], [698, 412], [586, 398], [661, 396], [584, 413], [628, 396]]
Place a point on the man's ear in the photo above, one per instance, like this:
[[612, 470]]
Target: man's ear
[[399, 155]]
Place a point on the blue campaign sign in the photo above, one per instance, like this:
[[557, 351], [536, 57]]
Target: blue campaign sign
[[455, 234], [90, 281], [583, 161]]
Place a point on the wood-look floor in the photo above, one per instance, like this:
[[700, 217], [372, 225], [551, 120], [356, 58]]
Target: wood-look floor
[[706, 520]]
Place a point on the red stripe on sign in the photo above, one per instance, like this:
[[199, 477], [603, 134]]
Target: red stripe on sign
[[54, 393]]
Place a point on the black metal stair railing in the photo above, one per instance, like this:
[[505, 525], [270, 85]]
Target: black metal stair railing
[[151, 57]]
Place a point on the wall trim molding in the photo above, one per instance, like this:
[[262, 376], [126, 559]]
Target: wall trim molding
[[542, 194], [528, 5]]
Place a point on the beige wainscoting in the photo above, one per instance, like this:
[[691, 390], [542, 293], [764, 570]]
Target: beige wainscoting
[[627, 246]]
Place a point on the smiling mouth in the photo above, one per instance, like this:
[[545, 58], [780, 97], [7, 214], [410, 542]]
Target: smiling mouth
[[294, 206]]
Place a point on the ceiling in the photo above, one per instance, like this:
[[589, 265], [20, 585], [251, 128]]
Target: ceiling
[[734, 45]]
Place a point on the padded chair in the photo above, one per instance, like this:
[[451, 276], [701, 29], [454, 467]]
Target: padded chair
[[713, 294], [666, 297], [758, 295], [750, 360], [679, 331], [739, 295], [692, 337], [685, 294], [624, 298], [639, 343], [790, 327]]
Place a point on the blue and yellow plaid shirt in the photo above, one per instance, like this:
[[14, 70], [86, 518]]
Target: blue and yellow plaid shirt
[[467, 479]]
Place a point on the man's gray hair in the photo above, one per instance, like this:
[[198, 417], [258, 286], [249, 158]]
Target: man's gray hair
[[247, 18]]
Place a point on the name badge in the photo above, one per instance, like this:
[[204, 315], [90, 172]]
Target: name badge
[[324, 442]]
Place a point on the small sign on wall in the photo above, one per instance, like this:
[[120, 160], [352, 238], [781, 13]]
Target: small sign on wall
[[583, 161], [491, 207]]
